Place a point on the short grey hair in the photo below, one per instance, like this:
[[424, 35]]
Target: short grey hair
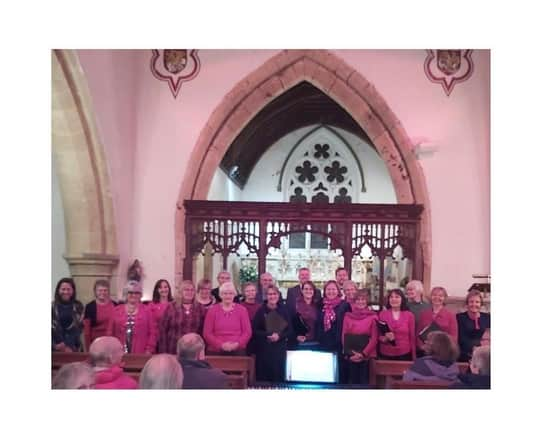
[[74, 375], [162, 371], [417, 285], [106, 351], [190, 346], [227, 286], [481, 359]]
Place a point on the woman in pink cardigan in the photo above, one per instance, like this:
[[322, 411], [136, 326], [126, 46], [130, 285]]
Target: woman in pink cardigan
[[360, 321], [227, 327], [399, 342], [133, 324], [443, 318]]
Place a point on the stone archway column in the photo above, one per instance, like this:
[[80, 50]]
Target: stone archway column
[[88, 268]]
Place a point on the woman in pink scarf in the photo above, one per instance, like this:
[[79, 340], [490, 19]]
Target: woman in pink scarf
[[359, 322], [331, 318]]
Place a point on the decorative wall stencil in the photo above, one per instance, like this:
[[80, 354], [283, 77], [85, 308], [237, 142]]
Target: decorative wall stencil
[[449, 67], [175, 66]]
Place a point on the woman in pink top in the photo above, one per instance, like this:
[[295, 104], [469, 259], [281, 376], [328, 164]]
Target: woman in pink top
[[438, 315], [399, 342], [133, 323], [98, 314], [227, 327], [360, 321], [161, 298]]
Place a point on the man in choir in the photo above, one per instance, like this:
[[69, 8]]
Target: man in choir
[[198, 374], [222, 277], [341, 277], [295, 291]]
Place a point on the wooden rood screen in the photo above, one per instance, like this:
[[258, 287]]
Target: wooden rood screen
[[354, 229]]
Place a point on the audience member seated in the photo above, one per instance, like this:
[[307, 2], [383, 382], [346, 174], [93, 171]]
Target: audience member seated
[[204, 293], [415, 303], [182, 316], [163, 372], [198, 374], [305, 317], [106, 357], [98, 314], [440, 362], [161, 298], [471, 325], [350, 291], [133, 324], [359, 321], [399, 342], [271, 337], [77, 375], [480, 367], [438, 317], [67, 317], [227, 327]]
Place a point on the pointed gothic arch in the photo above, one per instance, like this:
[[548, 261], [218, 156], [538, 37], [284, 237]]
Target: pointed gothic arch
[[91, 244], [343, 84]]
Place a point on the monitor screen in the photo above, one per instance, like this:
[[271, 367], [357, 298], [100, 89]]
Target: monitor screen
[[311, 366]]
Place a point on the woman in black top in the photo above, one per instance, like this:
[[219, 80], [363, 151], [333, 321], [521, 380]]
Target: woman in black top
[[471, 325], [67, 317]]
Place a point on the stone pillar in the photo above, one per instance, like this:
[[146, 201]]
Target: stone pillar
[[88, 268]]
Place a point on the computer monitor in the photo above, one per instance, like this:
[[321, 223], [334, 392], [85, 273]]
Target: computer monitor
[[310, 366]]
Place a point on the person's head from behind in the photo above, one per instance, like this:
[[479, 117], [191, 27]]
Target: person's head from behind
[[341, 275], [414, 290], [350, 290], [65, 291], [304, 275], [396, 300], [481, 361], [485, 339], [77, 375], [223, 276], [101, 290], [162, 371], [227, 293], [441, 347], [191, 347], [249, 292], [162, 291], [106, 352]]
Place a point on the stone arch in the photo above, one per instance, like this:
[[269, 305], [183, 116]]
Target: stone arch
[[343, 84], [91, 244]]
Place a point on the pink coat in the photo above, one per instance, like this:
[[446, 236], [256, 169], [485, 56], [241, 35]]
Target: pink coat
[[367, 325], [114, 378], [157, 311], [221, 326], [444, 318], [144, 334], [404, 332]]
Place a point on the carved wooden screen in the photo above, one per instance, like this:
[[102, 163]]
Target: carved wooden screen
[[357, 230]]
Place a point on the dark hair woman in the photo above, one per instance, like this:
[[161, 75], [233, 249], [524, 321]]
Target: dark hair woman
[[67, 317], [398, 340]]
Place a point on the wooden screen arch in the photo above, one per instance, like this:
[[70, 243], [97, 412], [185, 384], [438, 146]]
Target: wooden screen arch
[[343, 84]]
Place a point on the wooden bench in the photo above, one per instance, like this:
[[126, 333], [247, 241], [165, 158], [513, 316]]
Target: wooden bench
[[379, 370], [240, 369], [418, 385]]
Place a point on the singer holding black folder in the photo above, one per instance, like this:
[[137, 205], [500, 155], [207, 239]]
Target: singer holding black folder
[[399, 342], [272, 328], [359, 335]]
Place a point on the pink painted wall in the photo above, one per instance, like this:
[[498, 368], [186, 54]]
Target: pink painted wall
[[149, 135]]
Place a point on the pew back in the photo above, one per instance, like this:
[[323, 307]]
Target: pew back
[[379, 370]]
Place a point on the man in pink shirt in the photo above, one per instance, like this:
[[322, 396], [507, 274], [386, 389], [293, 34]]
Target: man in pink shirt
[[106, 356]]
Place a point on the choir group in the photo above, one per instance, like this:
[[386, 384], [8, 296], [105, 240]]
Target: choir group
[[260, 323]]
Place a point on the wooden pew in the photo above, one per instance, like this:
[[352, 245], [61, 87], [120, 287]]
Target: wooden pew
[[379, 370], [240, 369], [418, 385]]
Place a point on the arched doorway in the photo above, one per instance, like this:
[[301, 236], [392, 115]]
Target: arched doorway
[[345, 86]]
